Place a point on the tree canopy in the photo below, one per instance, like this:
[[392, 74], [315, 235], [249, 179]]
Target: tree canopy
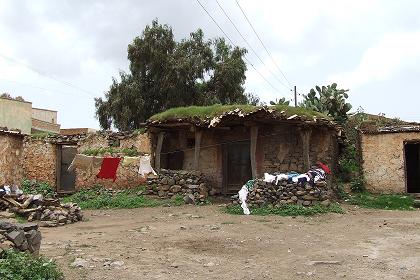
[[165, 73]]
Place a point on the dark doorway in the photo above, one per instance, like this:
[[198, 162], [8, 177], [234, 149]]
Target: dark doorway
[[66, 179], [172, 160], [237, 165], [412, 164]]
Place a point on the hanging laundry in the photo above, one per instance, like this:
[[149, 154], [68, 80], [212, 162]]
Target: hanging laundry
[[269, 178], [243, 194], [145, 168], [80, 161], [324, 167], [130, 160], [109, 168], [85, 162]]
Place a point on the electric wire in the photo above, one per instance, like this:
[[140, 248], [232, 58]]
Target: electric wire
[[224, 33], [249, 45], [266, 49], [41, 73]]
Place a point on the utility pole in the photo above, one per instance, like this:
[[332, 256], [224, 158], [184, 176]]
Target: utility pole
[[295, 96]]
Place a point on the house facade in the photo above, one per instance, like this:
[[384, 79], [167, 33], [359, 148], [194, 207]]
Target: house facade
[[237, 145], [390, 158]]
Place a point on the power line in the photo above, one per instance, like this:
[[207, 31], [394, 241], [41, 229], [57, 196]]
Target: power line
[[41, 73], [249, 62], [269, 54], [38, 87], [249, 45]]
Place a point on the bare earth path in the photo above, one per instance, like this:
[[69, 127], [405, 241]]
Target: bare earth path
[[191, 242]]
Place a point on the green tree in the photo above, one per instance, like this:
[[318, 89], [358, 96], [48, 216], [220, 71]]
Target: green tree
[[328, 100], [165, 73]]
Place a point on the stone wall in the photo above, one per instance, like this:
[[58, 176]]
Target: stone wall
[[264, 193], [127, 176], [383, 161], [170, 183], [11, 150], [40, 160]]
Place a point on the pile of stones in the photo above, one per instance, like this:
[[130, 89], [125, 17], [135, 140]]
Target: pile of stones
[[22, 237], [59, 215], [49, 211], [189, 184], [264, 193]]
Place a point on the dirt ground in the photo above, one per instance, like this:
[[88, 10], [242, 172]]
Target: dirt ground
[[192, 242]]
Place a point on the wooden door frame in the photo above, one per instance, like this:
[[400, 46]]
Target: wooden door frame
[[58, 167]]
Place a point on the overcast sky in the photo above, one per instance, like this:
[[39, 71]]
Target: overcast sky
[[61, 54]]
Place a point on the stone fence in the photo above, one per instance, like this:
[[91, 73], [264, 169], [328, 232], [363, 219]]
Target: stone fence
[[305, 194], [190, 184]]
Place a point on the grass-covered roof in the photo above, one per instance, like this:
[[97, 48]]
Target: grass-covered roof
[[207, 114]]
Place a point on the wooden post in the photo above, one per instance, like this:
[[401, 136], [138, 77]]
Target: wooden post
[[198, 135], [254, 137], [158, 150], [306, 141]]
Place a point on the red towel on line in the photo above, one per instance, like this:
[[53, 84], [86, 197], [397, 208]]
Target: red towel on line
[[109, 168]]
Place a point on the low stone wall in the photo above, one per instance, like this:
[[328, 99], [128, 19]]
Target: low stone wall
[[22, 237], [264, 193], [190, 184]]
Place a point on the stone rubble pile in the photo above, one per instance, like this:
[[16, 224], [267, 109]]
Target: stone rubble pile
[[49, 211], [189, 184], [264, 193], [23, 237]]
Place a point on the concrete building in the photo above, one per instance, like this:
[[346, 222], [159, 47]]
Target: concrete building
[[19, 115], [44, 120], [390, 158], [16, 115]]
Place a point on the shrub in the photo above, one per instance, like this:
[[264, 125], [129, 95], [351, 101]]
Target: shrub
[[358, 185], [34, 187], [16, 265], [131, 152]]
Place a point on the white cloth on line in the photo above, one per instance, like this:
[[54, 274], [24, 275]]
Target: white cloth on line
[[243, 194], [145, 168]]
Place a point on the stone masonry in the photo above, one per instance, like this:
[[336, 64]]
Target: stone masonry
[[383, 161], [11, 148]]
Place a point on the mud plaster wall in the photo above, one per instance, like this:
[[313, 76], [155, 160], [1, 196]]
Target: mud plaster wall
[[127, 176], [11, 169], [383, 161], [40, 160]]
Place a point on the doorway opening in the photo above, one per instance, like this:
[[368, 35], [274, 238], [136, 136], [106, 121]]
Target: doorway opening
[[66, 180], [412, 165], [236, 165]]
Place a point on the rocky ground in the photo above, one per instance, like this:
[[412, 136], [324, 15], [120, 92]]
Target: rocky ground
[[191, 242]]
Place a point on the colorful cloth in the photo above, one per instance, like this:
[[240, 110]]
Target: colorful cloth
[[109, 168], [130, 160]]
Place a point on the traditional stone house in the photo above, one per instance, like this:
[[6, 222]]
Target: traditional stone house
[[390, 157], [232, 144]]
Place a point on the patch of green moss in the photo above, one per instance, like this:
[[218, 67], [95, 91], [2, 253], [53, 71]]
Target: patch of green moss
[[207, 112]]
